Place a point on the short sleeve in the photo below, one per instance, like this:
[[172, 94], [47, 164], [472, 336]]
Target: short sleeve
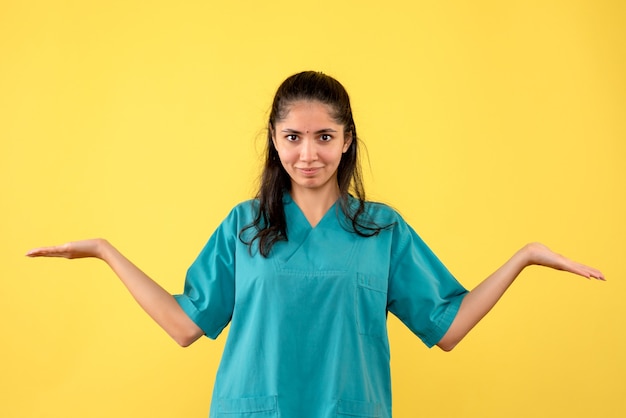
[[209, 294], [422, 293]]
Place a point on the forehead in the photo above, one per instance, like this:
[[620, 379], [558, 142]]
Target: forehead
[[308, 111]]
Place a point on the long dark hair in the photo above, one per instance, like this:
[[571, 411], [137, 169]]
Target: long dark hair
[[269, 226]]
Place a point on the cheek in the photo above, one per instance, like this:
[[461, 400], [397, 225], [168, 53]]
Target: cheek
[[286, 156], [335, 155]]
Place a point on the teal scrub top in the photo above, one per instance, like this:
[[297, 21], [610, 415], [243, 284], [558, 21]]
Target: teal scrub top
[[308, 333]]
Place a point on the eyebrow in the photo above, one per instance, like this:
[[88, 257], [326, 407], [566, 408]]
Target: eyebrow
[[321, 131]]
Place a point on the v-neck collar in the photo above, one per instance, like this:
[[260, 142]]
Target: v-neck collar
[[302, 221], [312, 250]]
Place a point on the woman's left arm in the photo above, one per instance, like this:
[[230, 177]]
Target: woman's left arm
[[483, 297]]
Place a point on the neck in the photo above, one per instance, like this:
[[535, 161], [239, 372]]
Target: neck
[[314, 203]]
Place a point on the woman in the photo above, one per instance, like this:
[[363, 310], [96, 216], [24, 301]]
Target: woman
[[306, 273]]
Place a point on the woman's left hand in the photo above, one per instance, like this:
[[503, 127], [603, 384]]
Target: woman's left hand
[[539, 254]]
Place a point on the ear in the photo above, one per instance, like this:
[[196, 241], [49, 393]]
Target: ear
[[347, 140]]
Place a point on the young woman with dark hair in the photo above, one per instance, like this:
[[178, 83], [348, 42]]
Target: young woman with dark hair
[[306, 273]]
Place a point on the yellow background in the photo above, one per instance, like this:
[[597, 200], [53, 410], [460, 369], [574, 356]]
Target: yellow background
[[488, 124]]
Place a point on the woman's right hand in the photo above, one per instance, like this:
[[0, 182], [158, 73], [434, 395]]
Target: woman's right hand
[[155, 300], [75, 249]]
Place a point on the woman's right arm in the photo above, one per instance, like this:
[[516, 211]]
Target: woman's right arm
[[156, 301]]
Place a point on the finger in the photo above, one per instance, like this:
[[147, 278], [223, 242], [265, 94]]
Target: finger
[[597, 274], [36, 252], [592, 272], [45, 252], [586, 271]]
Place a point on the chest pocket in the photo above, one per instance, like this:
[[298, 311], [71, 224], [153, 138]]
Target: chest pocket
[[371, 305], [264, 407]]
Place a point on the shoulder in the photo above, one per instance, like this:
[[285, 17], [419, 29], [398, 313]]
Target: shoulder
[[382, 213], [246, 207], [241, 214]]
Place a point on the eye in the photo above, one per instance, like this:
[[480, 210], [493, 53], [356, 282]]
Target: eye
[[325, 137], [291, 137]]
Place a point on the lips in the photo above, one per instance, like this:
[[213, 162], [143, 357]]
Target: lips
[[309, 171]]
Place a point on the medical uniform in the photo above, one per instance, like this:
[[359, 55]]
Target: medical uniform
[[308, 334]]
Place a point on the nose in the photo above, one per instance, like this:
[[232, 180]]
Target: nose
[[308, 151]]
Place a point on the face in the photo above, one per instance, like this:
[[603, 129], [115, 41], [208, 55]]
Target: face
[[310, 144]]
